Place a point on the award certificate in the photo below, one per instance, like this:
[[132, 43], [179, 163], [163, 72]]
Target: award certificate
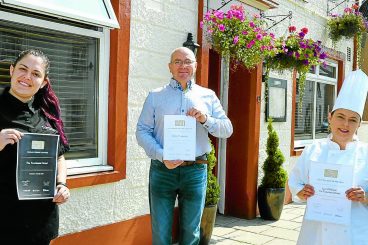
[[329, 203], [179, 137], [36, 166]]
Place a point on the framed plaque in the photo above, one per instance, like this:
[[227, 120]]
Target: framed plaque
[[276, 100], [36, 166]]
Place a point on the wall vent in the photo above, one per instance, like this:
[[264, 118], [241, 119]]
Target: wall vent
[[348, 54]]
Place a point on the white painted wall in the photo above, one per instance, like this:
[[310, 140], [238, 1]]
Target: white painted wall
[[313, 16], [157, 27]]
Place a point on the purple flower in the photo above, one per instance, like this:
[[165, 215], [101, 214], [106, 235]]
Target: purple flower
[[297, 55], [251, 24], [305, 62], [251, 43], [236, 39], [244, 32], [301, 34], [221, 27], [323, 56], [302, 45]]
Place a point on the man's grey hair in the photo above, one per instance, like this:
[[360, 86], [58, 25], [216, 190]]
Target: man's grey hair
[[183, 49]]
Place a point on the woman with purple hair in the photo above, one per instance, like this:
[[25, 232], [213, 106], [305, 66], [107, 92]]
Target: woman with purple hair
[[29, 105]]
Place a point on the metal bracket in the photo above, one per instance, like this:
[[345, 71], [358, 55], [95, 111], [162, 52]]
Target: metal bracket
[[336, 5], [224, 3], [272, 18]]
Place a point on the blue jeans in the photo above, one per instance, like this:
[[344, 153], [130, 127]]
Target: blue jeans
[[188, 183]]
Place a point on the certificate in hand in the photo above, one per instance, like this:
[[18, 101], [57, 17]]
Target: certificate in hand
[[36, 166], [329, 203], [179, 137]]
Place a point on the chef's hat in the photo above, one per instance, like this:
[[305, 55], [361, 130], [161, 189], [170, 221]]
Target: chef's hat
[[353, 93]]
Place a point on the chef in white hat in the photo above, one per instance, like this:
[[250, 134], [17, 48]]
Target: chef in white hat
[[340, 147]]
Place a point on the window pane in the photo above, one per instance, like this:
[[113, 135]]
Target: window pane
[[304, 115], [73, 74], [328, 71], [324, 103]]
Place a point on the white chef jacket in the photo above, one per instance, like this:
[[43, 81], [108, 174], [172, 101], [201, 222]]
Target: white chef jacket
[[324, 233]]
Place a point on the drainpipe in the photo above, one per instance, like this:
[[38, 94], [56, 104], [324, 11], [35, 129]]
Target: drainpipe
[[221, 157]]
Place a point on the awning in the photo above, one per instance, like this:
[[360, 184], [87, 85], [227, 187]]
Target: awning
[[93, 12]]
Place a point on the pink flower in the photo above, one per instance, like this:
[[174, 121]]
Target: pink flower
[[237, 7], [259, 36], [244, 32], [256, 16], [201, 24], [219, 14], [251, 24], [221, 27], [251, 43], [236, 39], [348, 10], [272, 35], [209, 31], [207, 16]]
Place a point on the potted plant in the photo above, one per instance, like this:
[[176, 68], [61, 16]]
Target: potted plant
[[212, 198], [347, 25], [237, 36], [295, 52], [271, 192]]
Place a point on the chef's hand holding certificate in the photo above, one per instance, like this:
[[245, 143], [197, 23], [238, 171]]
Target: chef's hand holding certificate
[[179, 137], [36, 166], [330, 181]]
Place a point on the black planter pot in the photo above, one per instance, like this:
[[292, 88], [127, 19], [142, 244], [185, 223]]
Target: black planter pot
[[270, 202], [207, 224]]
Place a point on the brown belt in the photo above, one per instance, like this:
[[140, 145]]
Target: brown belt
[[188, 163]]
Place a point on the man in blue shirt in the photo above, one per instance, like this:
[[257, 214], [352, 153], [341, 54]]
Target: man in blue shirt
[[171, 179]]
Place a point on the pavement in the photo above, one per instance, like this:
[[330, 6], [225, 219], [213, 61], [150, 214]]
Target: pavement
[[234, 231]]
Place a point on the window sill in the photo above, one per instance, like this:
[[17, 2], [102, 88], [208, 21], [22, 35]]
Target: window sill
[[92, 176], [297, 152], [88, 170]]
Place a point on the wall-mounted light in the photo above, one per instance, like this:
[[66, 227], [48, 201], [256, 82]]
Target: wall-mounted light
[[189, 43]]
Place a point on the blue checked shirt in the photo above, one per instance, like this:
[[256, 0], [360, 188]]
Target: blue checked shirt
[[173, 100]]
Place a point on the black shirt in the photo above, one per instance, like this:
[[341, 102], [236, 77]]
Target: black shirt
[[34, 219]]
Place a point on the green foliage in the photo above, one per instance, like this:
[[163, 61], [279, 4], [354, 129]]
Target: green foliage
[[274, 175], [213, 188], [347, 25], [238, 35], [296, 52]]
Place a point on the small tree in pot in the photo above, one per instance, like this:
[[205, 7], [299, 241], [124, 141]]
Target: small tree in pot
[[271, 192], [212, 198]]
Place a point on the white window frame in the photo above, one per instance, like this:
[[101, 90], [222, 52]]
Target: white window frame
[[85, 165], [63, 11], [315, 77]]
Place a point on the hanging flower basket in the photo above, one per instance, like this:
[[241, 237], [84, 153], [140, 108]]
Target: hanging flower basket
[[237, 36], [296, 52], [348, 24]]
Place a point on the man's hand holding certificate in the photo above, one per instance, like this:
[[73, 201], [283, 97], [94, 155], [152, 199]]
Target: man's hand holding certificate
[[179, 137]]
